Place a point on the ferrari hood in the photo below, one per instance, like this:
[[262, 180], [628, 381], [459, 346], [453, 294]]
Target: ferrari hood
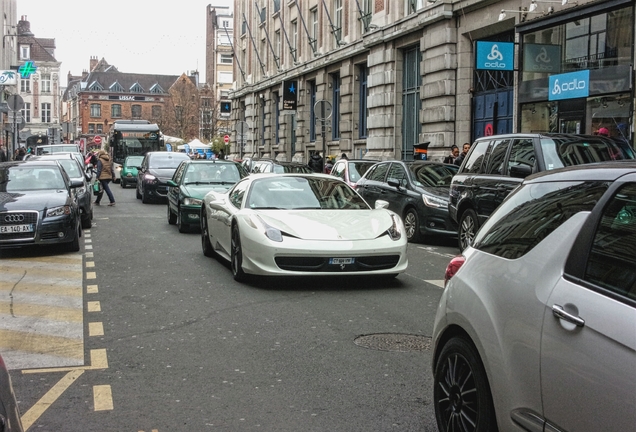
[[329, 224]]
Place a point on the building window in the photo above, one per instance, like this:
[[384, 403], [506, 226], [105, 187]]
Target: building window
[[335, 111], [226, 23], [411, 102], [277, 114], [116, 87], [99, 129], [156, 111], [277, 44], [226, 59], [363, 115], [91, 128], [25, 52], [338, 20], [115, 111], [136, 88], [262, 114], [136, 111], [96, 110], [26, 112], [294, 39], [45, 83], [25, 86], [314, 29], [46, 112]]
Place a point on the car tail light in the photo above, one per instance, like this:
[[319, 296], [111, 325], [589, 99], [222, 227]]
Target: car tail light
[[452, 267]]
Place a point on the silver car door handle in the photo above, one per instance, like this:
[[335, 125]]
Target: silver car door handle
[[560, 313]]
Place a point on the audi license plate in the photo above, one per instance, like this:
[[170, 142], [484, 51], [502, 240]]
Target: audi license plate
[[10, 229], [341, 261]]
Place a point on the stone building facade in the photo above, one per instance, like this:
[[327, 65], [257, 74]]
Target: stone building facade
[[405, 74]]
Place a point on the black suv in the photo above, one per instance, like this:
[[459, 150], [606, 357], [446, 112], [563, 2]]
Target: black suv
[[497, 164]]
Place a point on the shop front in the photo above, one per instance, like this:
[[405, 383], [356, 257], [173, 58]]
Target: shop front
[[576, 71]]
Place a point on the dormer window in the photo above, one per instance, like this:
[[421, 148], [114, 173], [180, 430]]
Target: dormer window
[[95, 86], [156, 89], [116, 87], [136, 88], [25, 52]]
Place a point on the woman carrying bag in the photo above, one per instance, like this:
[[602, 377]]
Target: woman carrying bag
[[104, 176]]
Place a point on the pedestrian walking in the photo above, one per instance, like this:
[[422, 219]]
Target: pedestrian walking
[[454, 154], [315, 162], [105, 174]]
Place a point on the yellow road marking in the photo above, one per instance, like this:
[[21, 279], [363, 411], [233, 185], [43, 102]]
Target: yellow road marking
[[90, 264], [95, 329], [91, 289], [40, 272], [91, 275], [94, 306], [88, 247], [51, 396], [88, 241], [102, 398], [99, 360], [41, 311], [89, 254], [31, 342]]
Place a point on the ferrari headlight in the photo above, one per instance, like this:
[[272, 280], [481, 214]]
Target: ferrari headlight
[[58, 211], [192, 201], [270, 232], [395, 231], [434, 202]]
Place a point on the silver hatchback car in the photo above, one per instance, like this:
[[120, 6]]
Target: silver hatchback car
[[536, 327]]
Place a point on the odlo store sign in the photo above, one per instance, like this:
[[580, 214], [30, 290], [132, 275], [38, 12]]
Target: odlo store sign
[[569, 85], [495, 55]]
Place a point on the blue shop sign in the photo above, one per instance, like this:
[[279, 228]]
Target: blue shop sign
[[495, 55], [569, 85]]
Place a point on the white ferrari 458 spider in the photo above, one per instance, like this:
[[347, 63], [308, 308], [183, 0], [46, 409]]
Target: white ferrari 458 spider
[[301, 225]]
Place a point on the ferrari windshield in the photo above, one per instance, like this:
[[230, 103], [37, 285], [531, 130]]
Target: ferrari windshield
[[306, 192]]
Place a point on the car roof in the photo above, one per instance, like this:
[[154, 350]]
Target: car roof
[[33, 161], [543, 135], [602, 171]]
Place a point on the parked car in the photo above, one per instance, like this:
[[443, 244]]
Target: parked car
[[37, 205], [128, 171], [416, 190], [301, 225], [9, 414], [191, 181], [75, 171], [274, 166], [495, 165], [535, 329], [351, 170], [155, 171], [57, 148]]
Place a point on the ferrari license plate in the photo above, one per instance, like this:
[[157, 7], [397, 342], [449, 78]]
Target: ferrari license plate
[[9, 229], [341, 261]]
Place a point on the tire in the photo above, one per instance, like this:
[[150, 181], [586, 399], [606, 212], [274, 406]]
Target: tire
[[172, 219], [74, 246], [236, 256], [137, 192], [183, 227], [144, 197], [122, 183], [461, 393], [208, 250], [86, 220], [412, 225], [468, 226]]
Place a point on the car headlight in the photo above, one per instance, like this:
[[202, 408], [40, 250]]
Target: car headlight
[[192, 201], [149, 177], [58, 211], [80, 191], [434, 202], [395, 231], [270, 232]]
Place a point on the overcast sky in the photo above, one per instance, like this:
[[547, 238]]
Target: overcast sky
[[136, 36]]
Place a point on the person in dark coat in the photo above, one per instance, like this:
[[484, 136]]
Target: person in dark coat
[[461, 157], [454, 154], [315, 162]]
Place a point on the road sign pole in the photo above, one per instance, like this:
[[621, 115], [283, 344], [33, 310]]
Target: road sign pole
[[15, 133]]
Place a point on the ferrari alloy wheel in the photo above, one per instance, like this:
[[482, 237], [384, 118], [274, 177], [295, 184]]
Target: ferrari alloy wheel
[[468, 226], [461, 393], [172, 219], [208, 250], [412, 225], [237, 256]]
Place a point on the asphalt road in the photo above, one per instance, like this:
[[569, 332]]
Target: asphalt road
[[168, 341]]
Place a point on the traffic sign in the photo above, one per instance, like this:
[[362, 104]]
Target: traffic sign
[[322, 110], [226, 139], [97, 139], [15, 102]]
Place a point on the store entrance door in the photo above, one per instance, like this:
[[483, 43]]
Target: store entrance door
[[572, 116]]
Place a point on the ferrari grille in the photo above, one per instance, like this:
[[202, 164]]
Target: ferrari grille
[[321, 264]]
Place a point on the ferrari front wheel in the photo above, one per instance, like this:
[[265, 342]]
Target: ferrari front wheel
[[236, 255]]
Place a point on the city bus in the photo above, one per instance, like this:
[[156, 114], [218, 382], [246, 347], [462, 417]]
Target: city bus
[[133, 138]]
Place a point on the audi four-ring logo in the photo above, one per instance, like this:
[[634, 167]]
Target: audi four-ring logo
[[14, 218]]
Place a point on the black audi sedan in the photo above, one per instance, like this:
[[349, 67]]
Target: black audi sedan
[[155, 171], [37, 205], [417, 191]]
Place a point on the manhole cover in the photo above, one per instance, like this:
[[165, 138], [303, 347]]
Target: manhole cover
[[394, 342]]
